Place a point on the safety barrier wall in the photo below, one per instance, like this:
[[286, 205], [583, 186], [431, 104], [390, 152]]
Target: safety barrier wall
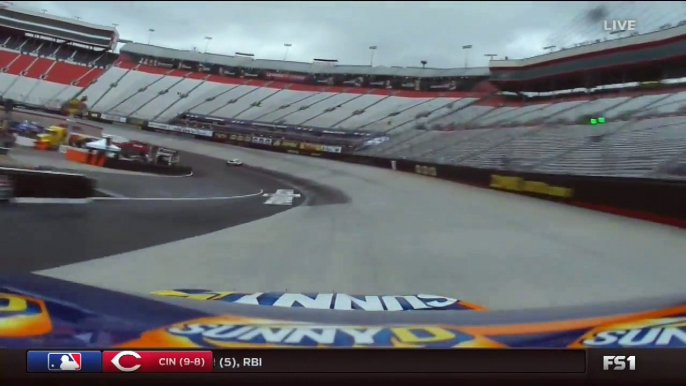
[[47, 184], [649, 199], [167, 170], [85, 156]]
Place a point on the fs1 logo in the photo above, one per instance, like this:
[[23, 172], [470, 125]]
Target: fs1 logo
[[618, 362]]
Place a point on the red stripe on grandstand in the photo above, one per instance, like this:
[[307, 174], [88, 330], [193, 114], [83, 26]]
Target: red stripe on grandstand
[[62, 73], [303, 87], [153, 70], [6, 57], [65, 73], [124, 64], [88, 78], [196, 75], [39, 68], [19, 65]]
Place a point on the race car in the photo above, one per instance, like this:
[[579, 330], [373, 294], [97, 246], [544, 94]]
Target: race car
[[143, 152], [27, 129], [64, 315], [234, 162]]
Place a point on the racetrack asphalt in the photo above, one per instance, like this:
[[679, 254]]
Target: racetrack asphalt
[[401, 233], [39, 237], [211, 177], [43, 236]]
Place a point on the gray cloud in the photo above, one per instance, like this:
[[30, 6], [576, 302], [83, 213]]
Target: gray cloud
[[405, 32]]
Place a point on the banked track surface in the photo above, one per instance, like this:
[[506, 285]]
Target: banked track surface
[[403, 233], [147, 211]]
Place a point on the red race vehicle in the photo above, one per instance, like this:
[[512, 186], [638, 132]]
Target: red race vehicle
[[144, 152]]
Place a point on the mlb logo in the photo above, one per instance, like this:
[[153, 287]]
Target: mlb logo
[[64, 361]]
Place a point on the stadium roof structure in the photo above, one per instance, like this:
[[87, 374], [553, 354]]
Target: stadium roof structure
[[57, 27], [589, 25], [600, 46], [300, 67]]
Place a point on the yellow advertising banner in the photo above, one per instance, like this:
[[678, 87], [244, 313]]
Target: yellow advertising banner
[[310, 146], [518, 184]]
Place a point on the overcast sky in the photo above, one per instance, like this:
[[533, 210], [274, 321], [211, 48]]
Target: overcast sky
[[405, 32]]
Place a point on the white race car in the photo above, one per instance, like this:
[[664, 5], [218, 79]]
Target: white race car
[[234, 162]]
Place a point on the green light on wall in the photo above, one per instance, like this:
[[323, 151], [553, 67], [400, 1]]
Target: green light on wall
[[596, 121]]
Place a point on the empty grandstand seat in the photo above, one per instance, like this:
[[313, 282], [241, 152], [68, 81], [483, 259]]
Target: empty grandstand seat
[[96, 91], [535, 145], [322, 106], [302, 100], [547, 113], [357, 104], [508, 116], [153, 86], [127, 86], [633, 105], [244, 102], [671, 104], [69, 73], [225, 95], [496, 116], [635, 151], [595, 108], [407, 118], [160, 103], [273, 103], [381, 110], [196, 97], [462, 115], [473, 142]]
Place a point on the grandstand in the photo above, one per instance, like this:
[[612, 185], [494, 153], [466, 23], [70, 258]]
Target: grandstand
[[531, 114], [220, 86], [46, 60]]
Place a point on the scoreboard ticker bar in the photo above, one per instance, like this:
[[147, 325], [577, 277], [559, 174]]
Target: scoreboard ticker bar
[[402, 361], [308, 361], [571, 364]]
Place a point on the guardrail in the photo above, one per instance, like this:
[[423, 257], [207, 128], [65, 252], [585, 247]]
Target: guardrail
[[48, 184]]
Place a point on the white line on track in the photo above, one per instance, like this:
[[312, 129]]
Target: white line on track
[[121, 198], [161, 175], [281, 197], [109, 193], [49, 200], [74, 201]]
